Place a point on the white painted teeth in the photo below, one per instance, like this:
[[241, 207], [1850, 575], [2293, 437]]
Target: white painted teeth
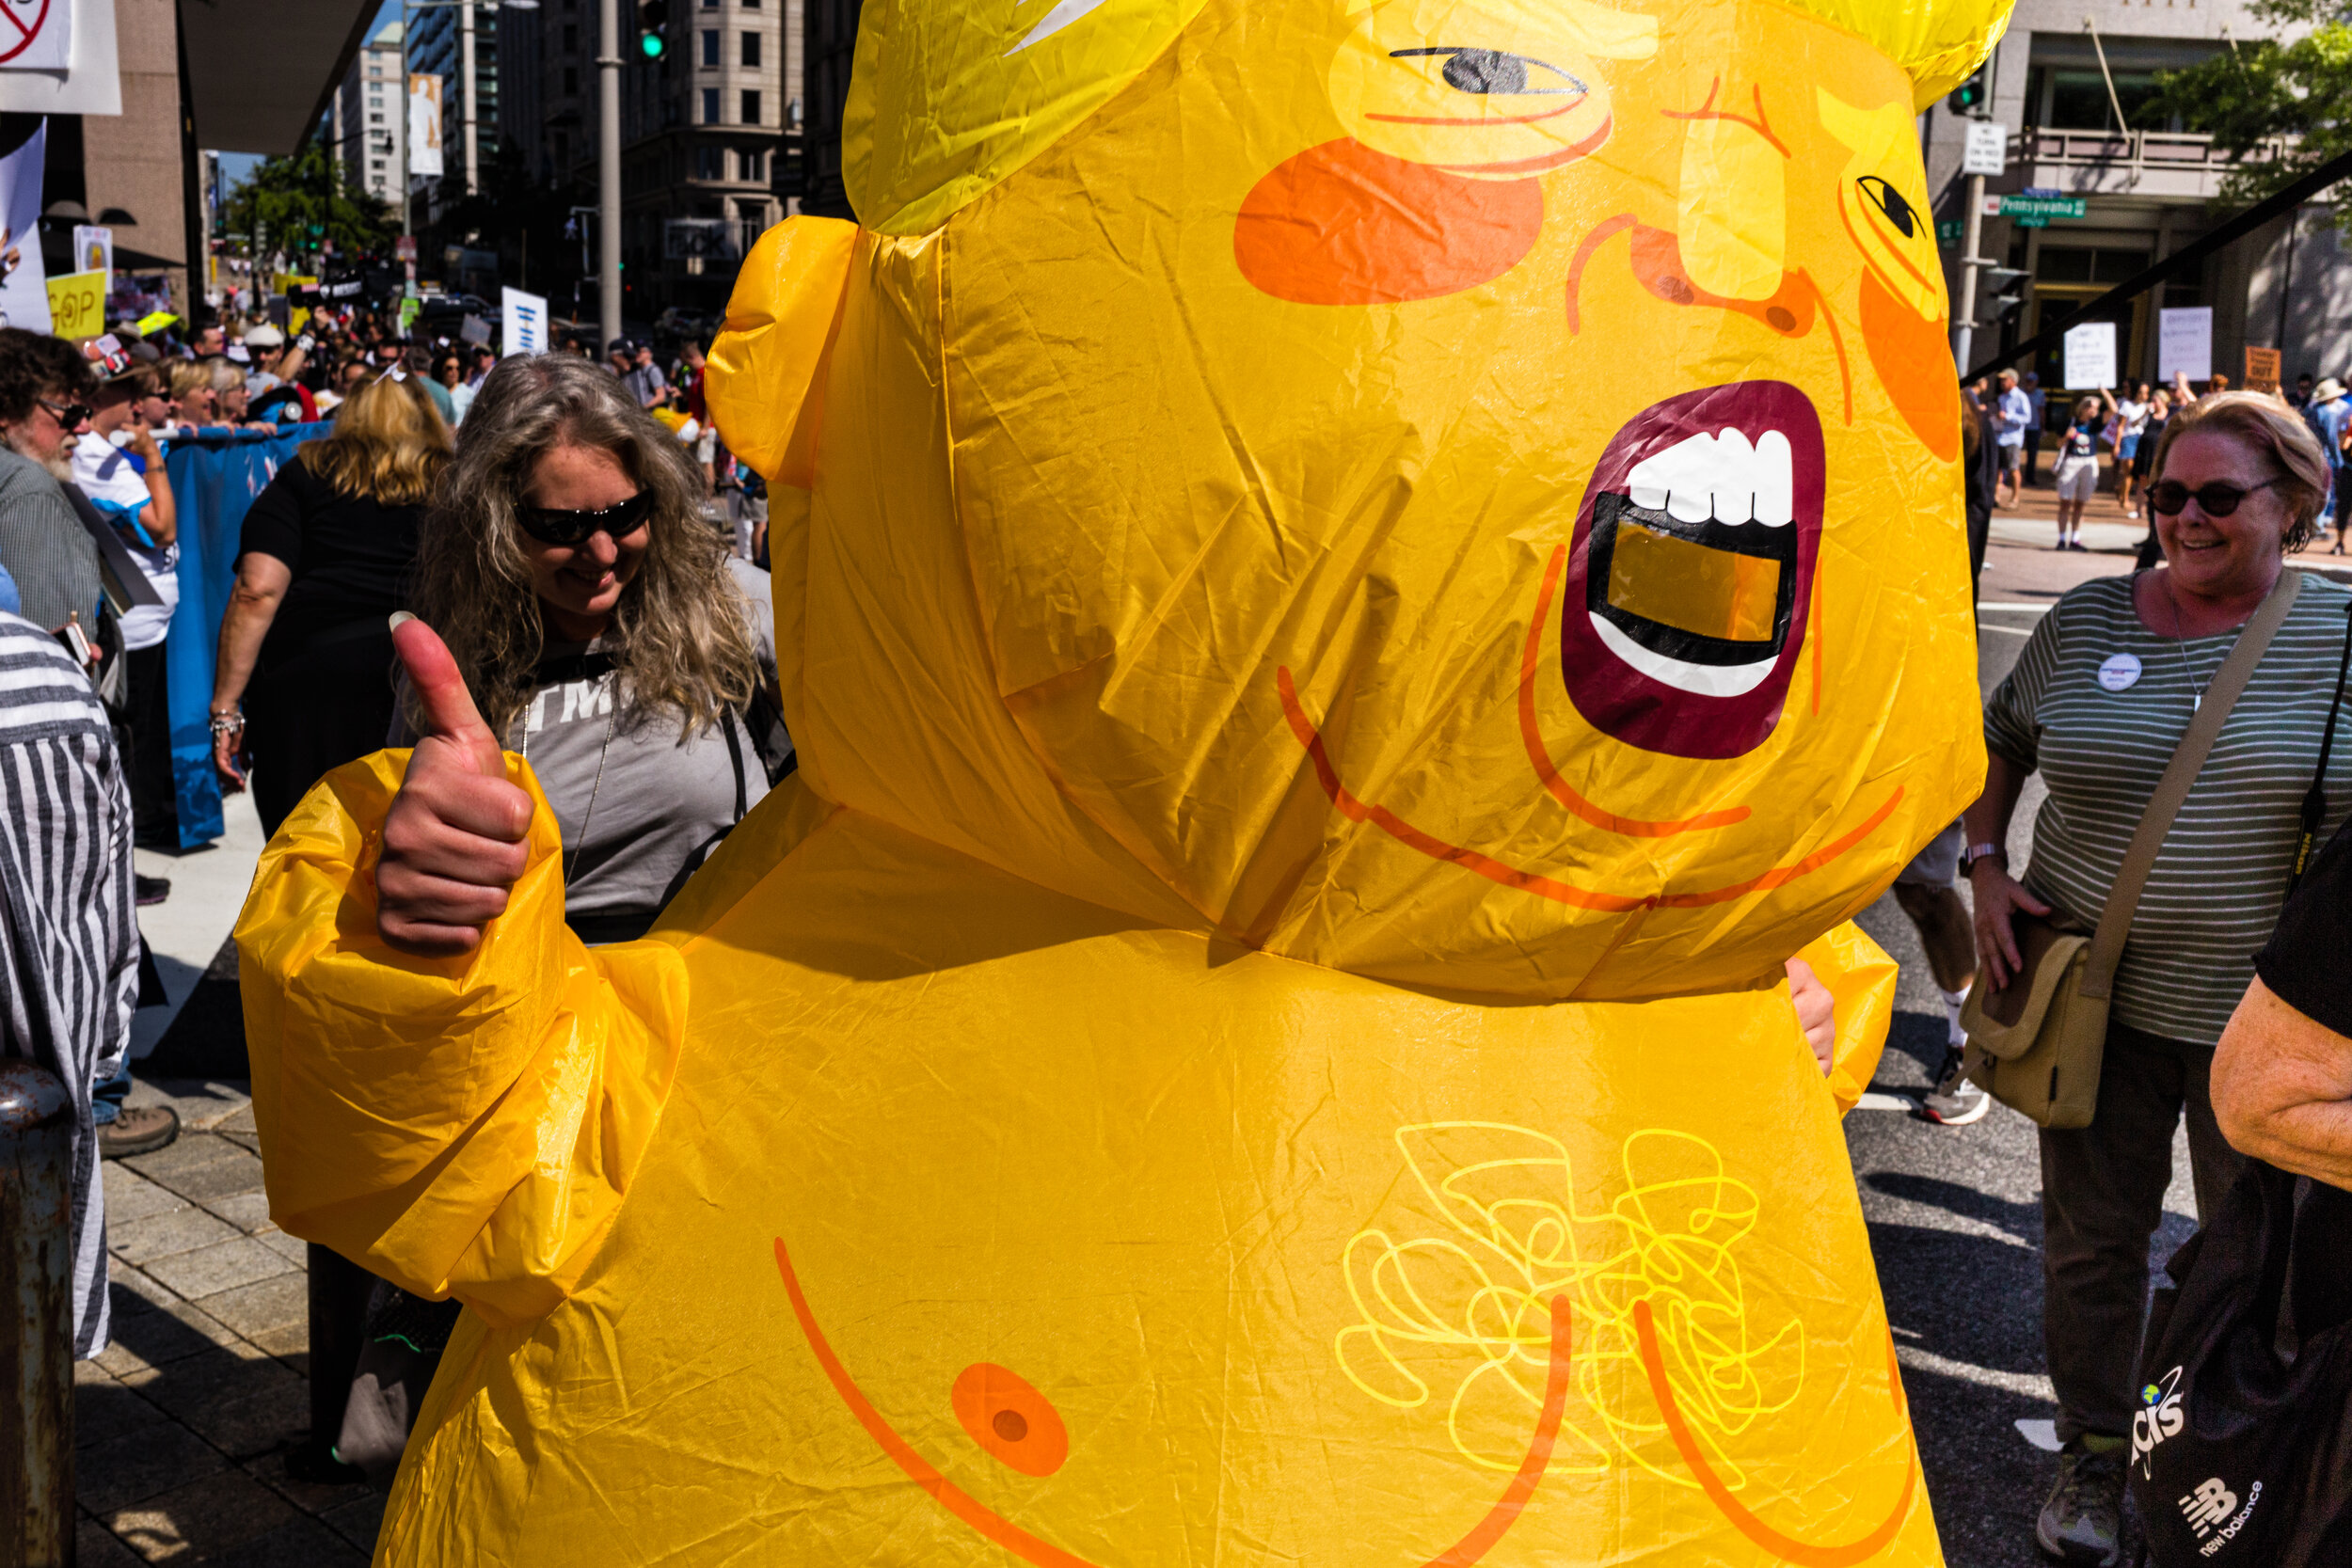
[[1722, 477]]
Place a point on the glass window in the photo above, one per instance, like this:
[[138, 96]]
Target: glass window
[[2062, 98], [751, 108], [711, 163], [751, 50], [571, 37], [754, 159], [571, 78], [710, 46], [710, 105]]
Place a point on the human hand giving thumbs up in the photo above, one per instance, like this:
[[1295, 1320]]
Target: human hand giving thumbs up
[[454, 841]]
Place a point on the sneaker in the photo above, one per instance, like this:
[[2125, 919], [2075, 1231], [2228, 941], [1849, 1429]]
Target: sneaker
[[152, 889], [2083, 1520], [1954, 1101], [137, 1130]]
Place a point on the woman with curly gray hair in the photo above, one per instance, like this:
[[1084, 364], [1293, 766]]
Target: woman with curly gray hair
[[604, 631]]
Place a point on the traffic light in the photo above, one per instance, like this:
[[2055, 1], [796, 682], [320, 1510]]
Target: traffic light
[[2006, 289], [653, 29], [1972, 96]]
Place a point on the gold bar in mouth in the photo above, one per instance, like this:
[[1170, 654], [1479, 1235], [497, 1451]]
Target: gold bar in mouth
[[1694, 588]]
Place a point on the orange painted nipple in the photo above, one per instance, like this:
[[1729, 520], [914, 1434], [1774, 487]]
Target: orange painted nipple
[[1010, 1420]]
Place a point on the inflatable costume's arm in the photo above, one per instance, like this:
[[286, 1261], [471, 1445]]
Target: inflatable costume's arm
[[1860, 980], [464, 1126]]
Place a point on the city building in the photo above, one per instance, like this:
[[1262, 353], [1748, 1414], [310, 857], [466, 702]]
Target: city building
[[2068, 87], [704, 128], [436, 48], [370, 125]]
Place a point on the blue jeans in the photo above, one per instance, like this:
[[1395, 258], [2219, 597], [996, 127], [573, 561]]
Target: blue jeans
[[107, 1093]]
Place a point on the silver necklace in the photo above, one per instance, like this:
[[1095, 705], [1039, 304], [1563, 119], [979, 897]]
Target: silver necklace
[[612, 718], [2180, 648]]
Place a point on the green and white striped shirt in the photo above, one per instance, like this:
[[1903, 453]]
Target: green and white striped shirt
[[2222, 872]]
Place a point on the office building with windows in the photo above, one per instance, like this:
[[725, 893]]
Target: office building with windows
[[436, 48], [368, 123], [2072, 90]]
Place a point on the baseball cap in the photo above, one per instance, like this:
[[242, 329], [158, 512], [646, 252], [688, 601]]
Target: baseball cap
[[264, 336], [620, 345]]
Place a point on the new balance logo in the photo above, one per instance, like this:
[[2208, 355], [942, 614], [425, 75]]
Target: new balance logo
[[2206, 1507]]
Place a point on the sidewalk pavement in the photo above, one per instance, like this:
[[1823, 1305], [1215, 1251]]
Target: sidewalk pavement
[[180, 1426]]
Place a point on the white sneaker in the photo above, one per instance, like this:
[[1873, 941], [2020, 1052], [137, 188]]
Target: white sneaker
[[1954, 1101]]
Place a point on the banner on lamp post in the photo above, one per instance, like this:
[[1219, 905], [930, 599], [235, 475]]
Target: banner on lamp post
[[23, 281], [424, 125]]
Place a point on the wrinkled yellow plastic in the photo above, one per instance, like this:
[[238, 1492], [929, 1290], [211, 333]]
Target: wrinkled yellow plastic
[[1219, 1056]]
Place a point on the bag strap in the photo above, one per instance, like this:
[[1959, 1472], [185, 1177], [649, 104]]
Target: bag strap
[[2213, 711], [2315, 798]]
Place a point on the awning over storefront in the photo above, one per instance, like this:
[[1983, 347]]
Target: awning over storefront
[[260, 72]]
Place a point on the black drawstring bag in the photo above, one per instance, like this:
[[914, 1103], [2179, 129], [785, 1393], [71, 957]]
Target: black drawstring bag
[[2242, 1448]]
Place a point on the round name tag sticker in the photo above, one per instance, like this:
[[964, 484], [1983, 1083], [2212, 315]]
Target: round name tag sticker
[[2121, 672]]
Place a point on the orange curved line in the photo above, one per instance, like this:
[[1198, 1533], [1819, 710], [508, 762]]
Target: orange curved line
[[1837, 339], [1707, 111], [1540, 756], [1603, 233], [1541, 162], [1358, 810], [1004, 1532], [1788, 1548], [990, 1523], [1507, 1508], [1476, 119]]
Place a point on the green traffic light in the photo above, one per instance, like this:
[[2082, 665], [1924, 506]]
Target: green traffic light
[[653, 45]]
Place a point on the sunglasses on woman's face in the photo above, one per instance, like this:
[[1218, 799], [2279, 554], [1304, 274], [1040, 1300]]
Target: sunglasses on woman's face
[[556, 526], [2215, 500]]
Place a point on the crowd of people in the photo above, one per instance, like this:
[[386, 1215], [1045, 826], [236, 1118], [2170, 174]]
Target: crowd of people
[[589, 561]]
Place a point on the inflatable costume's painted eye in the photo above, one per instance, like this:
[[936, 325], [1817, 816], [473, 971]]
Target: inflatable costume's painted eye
[[1492, 71], [1890, 203]]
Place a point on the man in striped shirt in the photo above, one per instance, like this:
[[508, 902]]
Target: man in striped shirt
[[69, 944]]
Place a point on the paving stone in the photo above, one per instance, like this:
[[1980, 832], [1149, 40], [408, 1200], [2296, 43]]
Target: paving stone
[[127, 1470], [245, 1140], [360, 1521], [161, 1335], [183, 1154], [208, 1520], [203, 1104], [310, 1496], [289, 1342], [192, 1389], [247, 1212], [142, 1241], [95, 1547], [132, 1290], [238, 1120], [105, 1411], [292, 1249], [132, 1197], [252, 1310], [260, 1424], [222, 1266], [299, 1543], [236, 1170]]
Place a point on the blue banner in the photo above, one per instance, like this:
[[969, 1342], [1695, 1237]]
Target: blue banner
[[214, 477]]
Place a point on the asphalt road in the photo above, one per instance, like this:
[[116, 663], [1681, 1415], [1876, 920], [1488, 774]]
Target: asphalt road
[[1955, 1212]]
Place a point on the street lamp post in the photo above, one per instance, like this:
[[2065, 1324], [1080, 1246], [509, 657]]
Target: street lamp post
[[609, 171]]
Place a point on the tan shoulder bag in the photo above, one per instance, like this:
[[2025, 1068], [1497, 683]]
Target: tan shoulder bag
[[2035, 1044]]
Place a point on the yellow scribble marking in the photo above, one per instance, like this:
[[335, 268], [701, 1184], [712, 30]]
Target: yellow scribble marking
[[1470, 1305]]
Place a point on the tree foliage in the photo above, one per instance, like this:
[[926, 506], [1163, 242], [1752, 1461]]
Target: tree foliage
[[2250, 95], [291, 204]]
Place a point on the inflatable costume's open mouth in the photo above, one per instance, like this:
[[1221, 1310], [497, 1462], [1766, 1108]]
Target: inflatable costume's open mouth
[[1691, 576]]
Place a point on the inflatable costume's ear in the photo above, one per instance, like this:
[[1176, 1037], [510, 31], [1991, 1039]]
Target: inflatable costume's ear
[[761, 380], [948, 96]]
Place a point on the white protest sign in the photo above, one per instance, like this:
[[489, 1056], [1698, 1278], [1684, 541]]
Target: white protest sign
[[36, 35], [2185, 342], [2090, 356], [525, 323], [1987, 152]]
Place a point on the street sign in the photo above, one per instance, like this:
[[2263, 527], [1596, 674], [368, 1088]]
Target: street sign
[[1987, 152], [405, 248], [2034, 210], [1950, 231]]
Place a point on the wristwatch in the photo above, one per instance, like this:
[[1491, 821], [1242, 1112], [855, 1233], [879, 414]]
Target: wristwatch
[[1975, 852]]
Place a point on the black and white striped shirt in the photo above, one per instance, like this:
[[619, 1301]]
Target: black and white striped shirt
[[2101, 747], [68, 939]]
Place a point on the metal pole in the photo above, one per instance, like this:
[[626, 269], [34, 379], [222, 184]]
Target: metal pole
[[407, 145], [36, 1342], [609, 174], [1964, 319], [465, 64]]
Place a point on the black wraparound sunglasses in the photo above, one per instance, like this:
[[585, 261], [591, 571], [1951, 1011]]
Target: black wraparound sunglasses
[[70, 415], [2216, 500], [556, 526]]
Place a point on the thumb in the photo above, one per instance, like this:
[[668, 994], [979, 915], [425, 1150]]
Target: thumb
[[450, 713]]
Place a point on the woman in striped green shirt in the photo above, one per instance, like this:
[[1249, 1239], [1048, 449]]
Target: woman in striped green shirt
[[2097, 704]]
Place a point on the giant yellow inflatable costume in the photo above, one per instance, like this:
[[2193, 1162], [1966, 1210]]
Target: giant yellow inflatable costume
[[1351, 582]]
